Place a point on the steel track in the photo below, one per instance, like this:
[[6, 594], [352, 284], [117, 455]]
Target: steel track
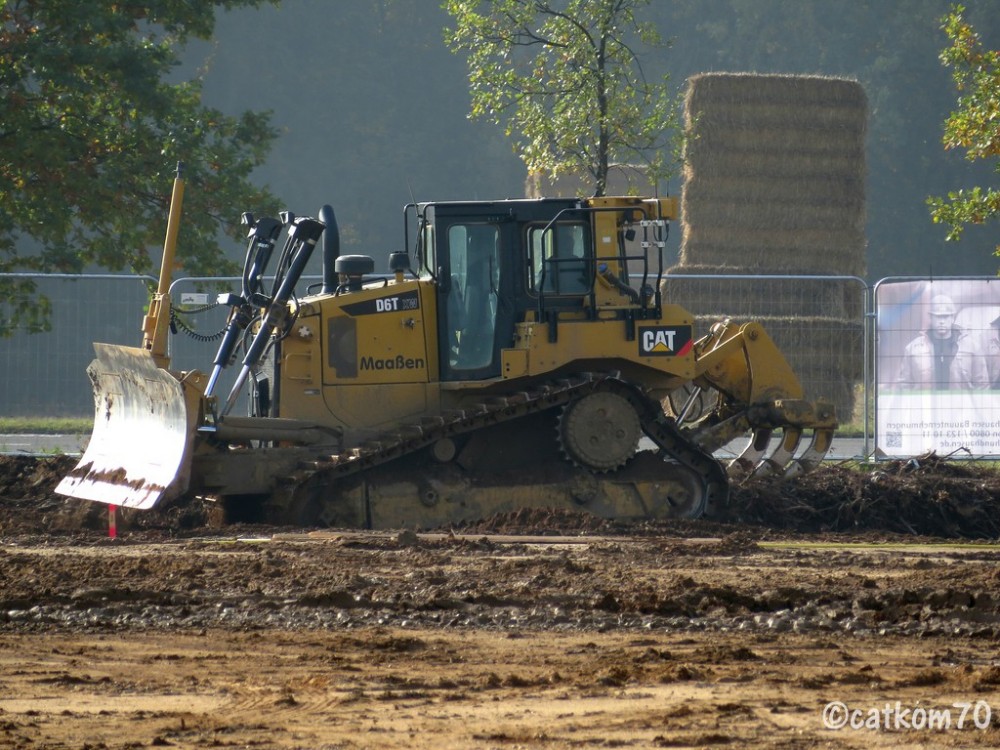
[[313, 477]]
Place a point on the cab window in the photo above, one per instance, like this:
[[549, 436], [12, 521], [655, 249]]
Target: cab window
[[560, 259]]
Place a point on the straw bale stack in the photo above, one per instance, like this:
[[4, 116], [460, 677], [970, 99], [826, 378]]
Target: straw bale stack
[[774, 174], [774, 184]]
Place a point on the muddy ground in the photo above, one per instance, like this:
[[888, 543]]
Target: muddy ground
[[876, 592]]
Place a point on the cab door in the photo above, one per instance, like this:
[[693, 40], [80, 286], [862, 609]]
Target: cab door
[[475, 317]]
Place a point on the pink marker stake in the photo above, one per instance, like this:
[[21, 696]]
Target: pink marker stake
[[113, 521]]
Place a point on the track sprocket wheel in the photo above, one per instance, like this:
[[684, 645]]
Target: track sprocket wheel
[[600, 432]]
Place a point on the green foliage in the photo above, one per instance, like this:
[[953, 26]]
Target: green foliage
[[91, 134], [974, 126], [566, 82]]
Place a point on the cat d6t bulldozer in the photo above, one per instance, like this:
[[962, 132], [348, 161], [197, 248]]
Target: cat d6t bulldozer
[[518, 354]]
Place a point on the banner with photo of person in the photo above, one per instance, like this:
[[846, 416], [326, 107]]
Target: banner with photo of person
[[937, 367]]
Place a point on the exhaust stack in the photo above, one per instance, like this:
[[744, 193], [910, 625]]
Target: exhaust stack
[[331, 249]]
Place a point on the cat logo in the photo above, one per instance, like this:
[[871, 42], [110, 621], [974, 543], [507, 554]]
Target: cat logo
[[658, 341]]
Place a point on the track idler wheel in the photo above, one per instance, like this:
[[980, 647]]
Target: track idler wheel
[[600, 432], [684, 494]]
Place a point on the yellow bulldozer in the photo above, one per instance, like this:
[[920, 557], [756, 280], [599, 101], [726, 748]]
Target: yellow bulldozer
[[517, 354]]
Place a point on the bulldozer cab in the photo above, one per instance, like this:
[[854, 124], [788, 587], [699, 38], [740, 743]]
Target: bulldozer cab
[[495, 263]]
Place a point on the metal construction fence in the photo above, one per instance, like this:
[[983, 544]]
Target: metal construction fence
[[821, 324]]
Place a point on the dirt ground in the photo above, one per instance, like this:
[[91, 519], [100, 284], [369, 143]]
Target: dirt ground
[[871, 598]]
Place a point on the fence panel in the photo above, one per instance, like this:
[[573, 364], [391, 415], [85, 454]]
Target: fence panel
[[938, 366], [818, 322], [45, 374]]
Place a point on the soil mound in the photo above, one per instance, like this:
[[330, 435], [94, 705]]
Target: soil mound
[[925, 496]]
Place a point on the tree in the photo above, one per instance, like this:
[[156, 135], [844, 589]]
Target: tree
[[91, 133], [566, 81], [973, 126]]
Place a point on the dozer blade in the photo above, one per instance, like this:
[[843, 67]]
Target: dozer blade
[[140, 449]]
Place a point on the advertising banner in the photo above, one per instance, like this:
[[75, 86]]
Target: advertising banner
[[938, 367]]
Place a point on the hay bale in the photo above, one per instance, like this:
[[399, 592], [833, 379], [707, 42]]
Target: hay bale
[[774, 89], [837, 190], [825, 354], [733, 138], [769, 162], [766, 215], [832, 345], [827, 257], [785, 251], [755, 297], [775, 120], [774, 184]]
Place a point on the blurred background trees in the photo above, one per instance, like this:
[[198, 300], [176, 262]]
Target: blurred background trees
[[369, 110], [93, 125], [567, 83]]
